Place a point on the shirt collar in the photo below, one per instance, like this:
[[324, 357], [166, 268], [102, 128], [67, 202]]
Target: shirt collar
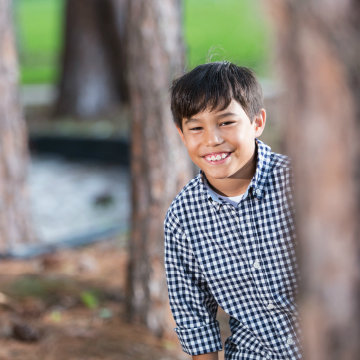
[[209, 195], [258, 182]]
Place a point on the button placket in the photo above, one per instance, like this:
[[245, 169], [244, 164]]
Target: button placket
[[290, 340], [258, 192], [256, 264], [270, 306]]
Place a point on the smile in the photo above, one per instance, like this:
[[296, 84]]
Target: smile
[[217, 158]]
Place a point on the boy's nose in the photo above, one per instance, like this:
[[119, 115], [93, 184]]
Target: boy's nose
[[213, 138]]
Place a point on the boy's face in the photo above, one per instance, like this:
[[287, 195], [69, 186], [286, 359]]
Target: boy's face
[[222, 142]]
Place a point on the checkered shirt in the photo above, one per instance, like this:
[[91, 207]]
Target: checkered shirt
[[239, 258]]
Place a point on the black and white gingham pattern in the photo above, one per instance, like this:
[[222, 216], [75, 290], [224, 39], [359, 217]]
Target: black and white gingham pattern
[[241, 258]]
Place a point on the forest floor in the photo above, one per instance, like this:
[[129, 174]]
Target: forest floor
[[70, 306]]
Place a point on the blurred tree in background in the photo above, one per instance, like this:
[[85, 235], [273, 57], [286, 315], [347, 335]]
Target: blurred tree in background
[[93, 68], [159, 165], [14, 217], [319, 58], [95, 64]]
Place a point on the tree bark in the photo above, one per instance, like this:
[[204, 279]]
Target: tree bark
[[14, 217], [93, 74], [319, 57], [160, 166]]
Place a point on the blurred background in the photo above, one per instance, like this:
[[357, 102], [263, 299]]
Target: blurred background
[[90, 162], [95, 137], [68, 279], [93, 130]]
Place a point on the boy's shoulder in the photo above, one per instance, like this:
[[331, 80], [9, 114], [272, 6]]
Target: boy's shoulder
[[280, 161], [279, 171], [279, 174], [188, 196], [271, 163]]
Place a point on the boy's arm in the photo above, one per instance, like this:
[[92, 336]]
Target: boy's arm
[[193, 306], [209, 356]]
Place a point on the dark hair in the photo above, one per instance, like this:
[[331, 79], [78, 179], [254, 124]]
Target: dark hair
[[213, 86]]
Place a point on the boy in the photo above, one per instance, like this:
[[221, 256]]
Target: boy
[[229, 234]]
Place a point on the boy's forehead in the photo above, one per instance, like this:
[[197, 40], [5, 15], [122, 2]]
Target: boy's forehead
[[234, 108]]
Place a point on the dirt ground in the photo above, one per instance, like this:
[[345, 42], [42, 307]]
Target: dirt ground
[[70, 305]]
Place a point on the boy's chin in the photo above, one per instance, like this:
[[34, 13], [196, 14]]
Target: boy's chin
[[216, 175]]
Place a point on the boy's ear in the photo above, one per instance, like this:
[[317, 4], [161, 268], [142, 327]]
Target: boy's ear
[[180, 133], [259, 122]]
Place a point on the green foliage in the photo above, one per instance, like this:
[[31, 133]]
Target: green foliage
[[234, 30], [39, 74], [56, 316], [49, 287], [40, 22], [90, 299], [39, 26], [105, 313]]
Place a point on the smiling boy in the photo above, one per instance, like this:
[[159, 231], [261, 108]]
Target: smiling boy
[[229, 234]]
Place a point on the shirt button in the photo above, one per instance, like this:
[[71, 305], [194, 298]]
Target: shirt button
[[256, 265], [290, 341], [257, 192], [271, 306]]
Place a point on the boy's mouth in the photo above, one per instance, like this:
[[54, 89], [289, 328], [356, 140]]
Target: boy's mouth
[[217, 158]]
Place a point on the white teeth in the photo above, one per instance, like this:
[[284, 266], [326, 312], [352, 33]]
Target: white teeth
[[217, 157]]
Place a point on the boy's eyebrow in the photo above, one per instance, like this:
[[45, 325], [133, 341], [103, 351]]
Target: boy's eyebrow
[[190, 120], [220, 116]]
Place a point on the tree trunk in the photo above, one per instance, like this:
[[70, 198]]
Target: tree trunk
[[319, 57], [93, 74], [160, 166], [14, 216]]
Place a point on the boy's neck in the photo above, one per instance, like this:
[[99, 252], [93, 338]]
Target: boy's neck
[[238, 183]]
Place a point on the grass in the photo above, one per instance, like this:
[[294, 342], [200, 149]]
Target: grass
[[39, 25], [234, 30]]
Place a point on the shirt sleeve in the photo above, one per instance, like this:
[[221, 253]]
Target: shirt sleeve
[[193, 306]]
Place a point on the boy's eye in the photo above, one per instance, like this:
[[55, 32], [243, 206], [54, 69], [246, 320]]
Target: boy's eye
[[195, 128], [226, 123]]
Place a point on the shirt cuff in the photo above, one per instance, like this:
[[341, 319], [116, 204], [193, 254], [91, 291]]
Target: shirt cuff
[[200, 340]]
